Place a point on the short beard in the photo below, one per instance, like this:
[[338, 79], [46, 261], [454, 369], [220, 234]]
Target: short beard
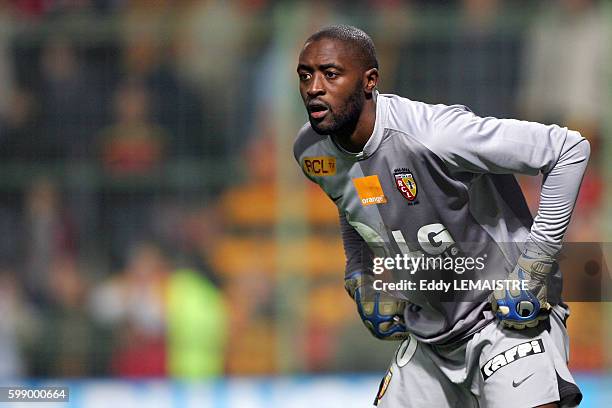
[[343, 124]]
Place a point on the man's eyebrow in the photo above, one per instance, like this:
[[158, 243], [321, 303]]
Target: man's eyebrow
[[304, 67], [330, 65], [322, 67]]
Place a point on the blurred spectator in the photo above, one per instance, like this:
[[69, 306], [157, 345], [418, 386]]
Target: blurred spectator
[[209, 44], [132, 147], [328, 311], [45, 8], [6, 63], [69, 343], [197, 326], [214, 47], [190, 231], [174, 105], [49, 234], [11, 226], [16, 322], [467, 57], [18, 137], [133, 305], [252, 341], [566, 67], [31, 8], [482, 53], [19, 128], [391, 26], [70, 109]]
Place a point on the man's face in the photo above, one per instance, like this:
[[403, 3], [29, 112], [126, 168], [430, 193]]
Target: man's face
[[331, 85]]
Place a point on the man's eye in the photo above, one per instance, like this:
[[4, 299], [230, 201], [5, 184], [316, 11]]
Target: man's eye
[[331, 75], [304, 76]]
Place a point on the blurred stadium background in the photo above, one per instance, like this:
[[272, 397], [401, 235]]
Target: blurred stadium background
[[158, 245]]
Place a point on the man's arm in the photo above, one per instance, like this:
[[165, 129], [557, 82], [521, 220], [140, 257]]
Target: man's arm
[[558, 195], [382, 314], [356, 251], [470, 143]]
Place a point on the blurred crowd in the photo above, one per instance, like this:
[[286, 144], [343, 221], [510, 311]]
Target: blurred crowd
[[139, 222]]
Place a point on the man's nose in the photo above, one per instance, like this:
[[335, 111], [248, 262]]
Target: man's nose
[[316, 87]]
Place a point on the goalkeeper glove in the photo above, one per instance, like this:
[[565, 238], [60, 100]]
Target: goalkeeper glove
[[383, 314], [517, 308]]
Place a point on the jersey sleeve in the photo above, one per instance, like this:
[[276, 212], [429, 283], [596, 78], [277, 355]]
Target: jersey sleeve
[[469, 143], [357, 253]]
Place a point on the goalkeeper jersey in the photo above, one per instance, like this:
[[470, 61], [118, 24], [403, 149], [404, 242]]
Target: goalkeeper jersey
[[437, 181]]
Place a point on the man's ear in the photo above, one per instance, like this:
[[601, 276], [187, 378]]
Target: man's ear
[[370, 80]]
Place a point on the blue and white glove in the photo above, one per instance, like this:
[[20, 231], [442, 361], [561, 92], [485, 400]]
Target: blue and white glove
[[381, 313], [517, 308]]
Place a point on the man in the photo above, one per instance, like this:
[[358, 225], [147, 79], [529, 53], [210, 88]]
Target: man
[[435, 182]]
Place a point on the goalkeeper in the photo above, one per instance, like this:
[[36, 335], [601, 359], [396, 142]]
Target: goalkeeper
[[437, 181]]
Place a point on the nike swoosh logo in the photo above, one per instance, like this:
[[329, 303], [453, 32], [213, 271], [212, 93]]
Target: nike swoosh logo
[[517, 383], [336, 198]]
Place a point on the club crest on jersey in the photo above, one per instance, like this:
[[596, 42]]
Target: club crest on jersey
[[405, 183]]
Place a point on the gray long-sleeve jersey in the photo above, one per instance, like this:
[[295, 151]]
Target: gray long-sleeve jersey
[[437, 180]]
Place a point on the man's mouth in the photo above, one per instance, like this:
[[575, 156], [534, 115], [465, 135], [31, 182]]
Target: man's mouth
[[317, 110]]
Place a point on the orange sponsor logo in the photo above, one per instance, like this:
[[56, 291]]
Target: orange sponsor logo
[[320, 166], [370, 191]]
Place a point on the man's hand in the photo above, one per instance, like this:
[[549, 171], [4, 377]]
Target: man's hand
[[381, 313], [517, 308]]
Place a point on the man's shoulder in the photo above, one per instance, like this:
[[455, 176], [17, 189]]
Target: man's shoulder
[[407, 115], [400, 103], [306, 137], [417, 117]]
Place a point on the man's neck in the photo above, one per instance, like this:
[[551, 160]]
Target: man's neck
[[355, 141]]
